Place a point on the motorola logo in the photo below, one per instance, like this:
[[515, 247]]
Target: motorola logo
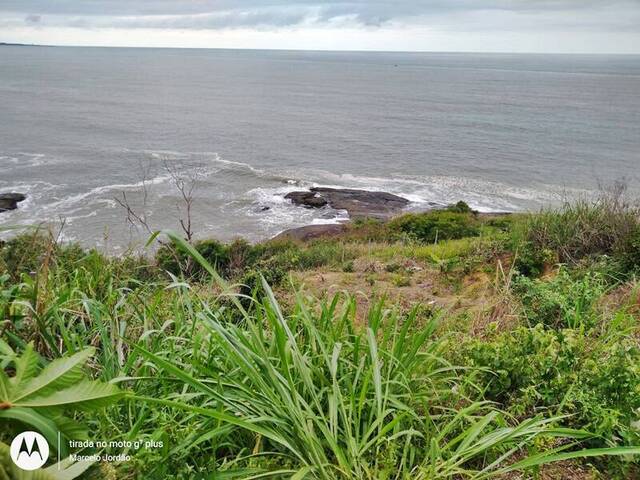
[[29, 451]]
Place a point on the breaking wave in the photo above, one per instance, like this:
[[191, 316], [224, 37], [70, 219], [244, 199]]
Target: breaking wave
[[234, 198]]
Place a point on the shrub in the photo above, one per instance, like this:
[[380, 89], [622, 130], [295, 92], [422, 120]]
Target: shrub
[[608, 225], [272, 272], [348, 267], [597, 383], [367, 230], [321, 253], [315, 392], [460, 207], [400, 280], [562, 301], [503, 223], [178, 262], [435, 226], [23, 253], [241, 255], [630, 253], [531, 261], [393, 267]]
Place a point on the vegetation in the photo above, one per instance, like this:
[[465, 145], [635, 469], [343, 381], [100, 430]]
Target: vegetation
[[39, 398], [439, 225], [444, 345]]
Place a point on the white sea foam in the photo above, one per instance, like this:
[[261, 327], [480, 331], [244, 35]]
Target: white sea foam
[[247, 200], [69, 219], [209, 159], [24, 159], [482, 195]]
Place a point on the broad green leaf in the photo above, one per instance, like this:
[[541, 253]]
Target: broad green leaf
[[83, 395], [26, 367], [68, 470], [544, 458], [59, 374], [35, 421], [5, 386]]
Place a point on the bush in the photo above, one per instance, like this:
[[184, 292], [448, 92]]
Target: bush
[[241, 255], [502, 223], [435, 226], [630, 254], [23, 253], [460, 207], [532, 261], [272, 272], [608, 225], [400, 280], [177, 262], [597, 383], [562, 301], [28, 252]]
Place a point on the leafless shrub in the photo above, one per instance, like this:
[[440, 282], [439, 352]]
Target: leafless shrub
[[138, 217], [186, 184]]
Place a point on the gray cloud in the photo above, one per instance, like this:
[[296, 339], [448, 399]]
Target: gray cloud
[[32, 19], [593, 15]]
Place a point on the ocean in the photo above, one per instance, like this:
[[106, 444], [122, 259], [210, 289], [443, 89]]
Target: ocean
[[81, 127]]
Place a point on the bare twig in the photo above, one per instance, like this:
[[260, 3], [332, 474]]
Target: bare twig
[[186, 185], [134, 218]]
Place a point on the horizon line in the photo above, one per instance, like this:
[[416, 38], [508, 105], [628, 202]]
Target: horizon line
[[463, 52]]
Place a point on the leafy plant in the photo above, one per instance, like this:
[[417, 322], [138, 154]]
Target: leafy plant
[[325, 399], [606, 225], [40, 397], [460, 207], [531, 260], [177, 263], [597, 384], [435, 226], [563, 301]]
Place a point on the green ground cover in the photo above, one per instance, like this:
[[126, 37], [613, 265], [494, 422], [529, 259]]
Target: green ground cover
[[445, 345]]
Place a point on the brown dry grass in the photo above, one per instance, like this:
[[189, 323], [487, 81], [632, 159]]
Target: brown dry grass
[[559, 471], [469, 301]]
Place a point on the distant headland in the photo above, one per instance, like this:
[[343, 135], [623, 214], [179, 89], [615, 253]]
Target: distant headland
[[9, 44]]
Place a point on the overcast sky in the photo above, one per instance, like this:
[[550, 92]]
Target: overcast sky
[[581, 26]]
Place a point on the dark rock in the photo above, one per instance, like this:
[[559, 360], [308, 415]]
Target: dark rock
[[306, 199], [311, 232], [357, 203], [9, 201]]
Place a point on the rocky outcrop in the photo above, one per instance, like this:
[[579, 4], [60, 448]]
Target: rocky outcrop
[[307, 199], [311, 232], [358, 203], [9, 201]]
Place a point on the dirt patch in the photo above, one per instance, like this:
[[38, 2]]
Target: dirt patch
[[406, 283], [558, 471]]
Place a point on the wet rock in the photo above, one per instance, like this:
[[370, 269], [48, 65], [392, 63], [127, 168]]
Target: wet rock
[[306, 199], [357, 203], [311, 232], [9, 201]]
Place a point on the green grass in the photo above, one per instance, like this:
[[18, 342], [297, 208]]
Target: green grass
[[237, 384], [583, 229]]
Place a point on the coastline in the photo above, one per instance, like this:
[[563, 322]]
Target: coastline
[[358, 205]]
